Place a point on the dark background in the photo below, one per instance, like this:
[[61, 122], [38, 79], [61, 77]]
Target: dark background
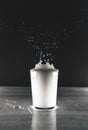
[[68, 19]]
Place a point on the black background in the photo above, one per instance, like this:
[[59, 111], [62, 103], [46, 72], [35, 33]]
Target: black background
[[68, 19]]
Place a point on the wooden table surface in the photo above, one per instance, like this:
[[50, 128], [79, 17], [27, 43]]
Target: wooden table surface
[[17, 113]]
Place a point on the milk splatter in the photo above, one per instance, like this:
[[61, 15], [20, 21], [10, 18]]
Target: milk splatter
[[13, 105]]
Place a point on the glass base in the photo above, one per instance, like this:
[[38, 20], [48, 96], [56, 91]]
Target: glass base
[[44, 108]]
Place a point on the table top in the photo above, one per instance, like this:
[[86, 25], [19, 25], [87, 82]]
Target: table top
[[17, 113]]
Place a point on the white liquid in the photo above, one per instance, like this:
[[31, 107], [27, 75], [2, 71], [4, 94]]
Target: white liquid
[[44, 79]]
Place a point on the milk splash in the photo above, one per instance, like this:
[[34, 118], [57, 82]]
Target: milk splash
[[44, 47], [44, 66]]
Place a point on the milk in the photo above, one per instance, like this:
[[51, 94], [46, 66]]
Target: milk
[[44, 80]]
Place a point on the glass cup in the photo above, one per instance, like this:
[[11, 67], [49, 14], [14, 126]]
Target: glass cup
[[44, 87]]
